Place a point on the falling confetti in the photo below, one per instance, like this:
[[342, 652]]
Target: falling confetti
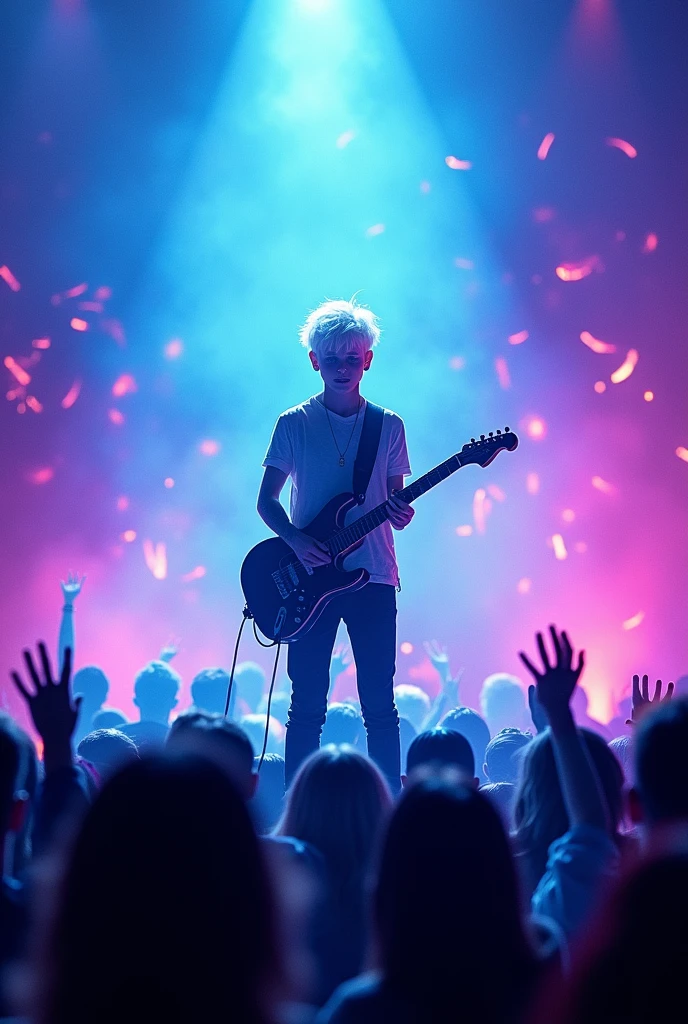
[[560, 552], [41, 476], [122, 503], [42, 343], [77, 324], [115, 330], [482, 507], [116, 417], [375, 229], [196, 574], [209, 447], [156, 558], [600, 386], [74, 292], [406, 647], [503, 375], [568, 515], [457, 165], [532, 483], [518, 338], [601, 347], [626, 369], [496, 492], [9, 278], [103, 293], [682, 453], [648, 396], [624, 146], [124, 385], [129, 536], [524, 584], [169, 482], [34, 404], [345, 138], [633, 622], [545, 146], [650, 243], [603, 485], [535, 427], [464, 264], [18, 372], [72, 395], [577, 271], [91, 307], [173, 349], [464, 531]]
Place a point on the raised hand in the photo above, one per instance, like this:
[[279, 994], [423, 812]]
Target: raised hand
[[53, 711], [439, 658], [642, 702], [72, 587], [341, 659], [170, 650], [555, 683], [536, 710]]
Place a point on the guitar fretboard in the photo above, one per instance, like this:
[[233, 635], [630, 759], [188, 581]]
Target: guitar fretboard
[[344, 538]]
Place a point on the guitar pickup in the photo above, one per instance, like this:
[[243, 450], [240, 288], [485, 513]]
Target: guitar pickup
[[280, 584]]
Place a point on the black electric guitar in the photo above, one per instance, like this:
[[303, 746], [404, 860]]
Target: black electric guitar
[[286, 598]]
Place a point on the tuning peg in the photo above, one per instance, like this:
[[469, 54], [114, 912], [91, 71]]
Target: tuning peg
[[482, 437]]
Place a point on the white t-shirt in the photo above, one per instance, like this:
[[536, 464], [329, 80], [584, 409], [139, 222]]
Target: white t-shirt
[[302, 446]]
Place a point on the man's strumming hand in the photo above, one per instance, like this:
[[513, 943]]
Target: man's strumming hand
[[309, 551]]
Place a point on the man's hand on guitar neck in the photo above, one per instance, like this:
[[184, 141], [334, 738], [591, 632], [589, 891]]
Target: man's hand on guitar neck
[[309, 551]]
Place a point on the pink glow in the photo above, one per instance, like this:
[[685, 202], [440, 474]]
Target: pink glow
[[406, 647], [77, 324], [41, 476], [72, 395], [524, 585], [577, 271], [624, 146], [633, 622], [464, 531], [9, 278], [174, 348], [156, 558], [196, 574], [42, 343], [545, 146], [209, 447], [560, 552], [518, 338], [17, 371], [600, 387], [651, 243], [116, 417], [457, 165], [345, 138], [375, 229], [503, 375], [532, 483], [124, 385], [601, 347], [626, 368], [604, 486]]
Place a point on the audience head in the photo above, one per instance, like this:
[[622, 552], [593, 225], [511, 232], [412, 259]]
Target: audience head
[[249, 680], [622, 749], [10, 762], [269, 801], [441, 747], [279, 706], [435, 951], [343, 724], [155, 692], [539, 811], [661, 765], [107, 750], [501, 795], [209, 690], [221, 741], [469, 723], [91, 684], [169, 838], [254, 727], [503, 702], [503, 755], [338, 802], [412, 703], [108, 718]]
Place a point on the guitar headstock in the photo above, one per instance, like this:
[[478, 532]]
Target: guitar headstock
[[483, 450]]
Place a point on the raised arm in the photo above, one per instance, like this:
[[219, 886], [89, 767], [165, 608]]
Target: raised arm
[[448, 697], [70, 591], [270, 509], [554, 686]]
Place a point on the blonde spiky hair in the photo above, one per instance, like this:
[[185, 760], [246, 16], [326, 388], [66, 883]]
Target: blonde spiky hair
[[339, 326]]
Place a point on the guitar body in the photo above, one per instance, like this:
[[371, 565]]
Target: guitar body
[[285, 598]]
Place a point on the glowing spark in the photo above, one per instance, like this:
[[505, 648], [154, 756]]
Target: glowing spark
[[457, 363], [682, 453], [545, 146], [77, 324], [524, 584], [648, 396], [41, 476], [115, 330], [345, 138], [503, 375], [17, 371], [425, 187], [560, 552], [481, 509], [496, 492], [41, 343], [92, 307], [116, 417], [518, 338], [122, 503], [124, 385], [464, 531], [156, 558], [624, 146], [464, 264], [535, 427], [457, 165], [103, 293], [72, 293], [601, 347], [603, 485], [196, 574], [21, 408], [169, 482], [532, 483], [651, 243], [173, 349], [568, 515], [600, 386], [15, 393], [580, 546], [9, 278], [72, 395], [209, 447], [129, 536], [406, 647], [544, 214], [375, 229], [34, 404], [577, 271], [627, 367], [633, 622]]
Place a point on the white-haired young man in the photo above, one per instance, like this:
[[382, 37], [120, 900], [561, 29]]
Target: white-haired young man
[[315, 444]]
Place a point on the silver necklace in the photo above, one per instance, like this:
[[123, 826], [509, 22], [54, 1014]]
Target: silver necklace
[[342, 460]]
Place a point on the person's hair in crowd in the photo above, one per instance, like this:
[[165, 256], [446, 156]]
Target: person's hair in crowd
[[503, 755], [469, 723], [107, 750], [412, 703], [249, 682], [109, 718], [209, 690], [156, 688], [501, 795], [660, 794], [503, 702], [269, 800], [343, 724], [441, 747], [219, 739]]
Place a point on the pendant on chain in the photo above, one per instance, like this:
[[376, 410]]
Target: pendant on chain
[[341, 460]]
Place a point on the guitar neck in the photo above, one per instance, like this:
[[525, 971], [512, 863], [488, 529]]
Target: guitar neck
[[344, 538]]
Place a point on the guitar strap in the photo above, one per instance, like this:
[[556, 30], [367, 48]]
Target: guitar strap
[[368, 444]]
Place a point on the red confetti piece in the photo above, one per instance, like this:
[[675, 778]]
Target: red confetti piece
[[560, 552], [532, 483], [603, 485], [503, 375], [116, 417], [601, 347], [518, 338], [156, 558], [682, 453], [41, 476], [482, 506], [624, 146], [464, 531], [9, 278], [375, 229], [129, 536], [17, 371], [600, 386], [545, 146], [77, 324], [196, 574], [464, 264], [627, 367], [345, 138], [406, 647], [209, 447], [633, 622], [72, 395], [457, 165], [524, 584], [577, 271], [42, 343], [34, 404], [173, 349], [124, 385], [77, 290], [651, 243]]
